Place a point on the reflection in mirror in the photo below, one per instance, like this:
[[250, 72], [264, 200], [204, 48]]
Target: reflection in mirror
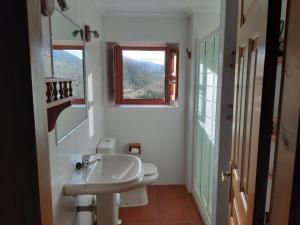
[[68, 62]]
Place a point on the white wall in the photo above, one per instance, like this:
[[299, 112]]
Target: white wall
[[161, 130], [84, 140], [69, 119], [200, 25]]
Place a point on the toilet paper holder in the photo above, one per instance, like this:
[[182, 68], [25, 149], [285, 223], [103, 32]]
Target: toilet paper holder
[[135, 148]]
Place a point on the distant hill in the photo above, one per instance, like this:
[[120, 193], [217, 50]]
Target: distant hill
[[140, 79], [143, 79], [67, 65], [141, 73]]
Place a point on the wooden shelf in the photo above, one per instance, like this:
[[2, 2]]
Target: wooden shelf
[[59, 96], [59, 102]]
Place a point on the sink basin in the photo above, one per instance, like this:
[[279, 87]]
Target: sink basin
[[111, 174], [106, 177]]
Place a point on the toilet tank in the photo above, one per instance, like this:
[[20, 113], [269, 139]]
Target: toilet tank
[[107, 146]]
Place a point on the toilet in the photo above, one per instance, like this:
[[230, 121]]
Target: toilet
[[137, 196]]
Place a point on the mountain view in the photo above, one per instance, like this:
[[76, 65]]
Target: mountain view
[[67, 65], [143, 79]]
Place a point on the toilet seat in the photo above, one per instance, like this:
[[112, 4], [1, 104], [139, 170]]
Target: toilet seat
[[150, 174], [149, 169]]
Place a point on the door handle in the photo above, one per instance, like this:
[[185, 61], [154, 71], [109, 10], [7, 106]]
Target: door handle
[[225, 176]]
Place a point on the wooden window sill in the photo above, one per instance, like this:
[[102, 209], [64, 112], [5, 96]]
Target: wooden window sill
[[132, 106]]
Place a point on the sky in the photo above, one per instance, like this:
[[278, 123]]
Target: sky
[[77, 53], [157, 57]]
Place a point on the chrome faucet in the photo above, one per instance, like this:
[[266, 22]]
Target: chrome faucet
[[88, 160]]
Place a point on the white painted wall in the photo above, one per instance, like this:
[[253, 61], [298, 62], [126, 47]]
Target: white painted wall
[[69, 119], [161, 130], [200, 25], [84, 140]]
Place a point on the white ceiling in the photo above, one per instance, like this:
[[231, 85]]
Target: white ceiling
[[157, 7]]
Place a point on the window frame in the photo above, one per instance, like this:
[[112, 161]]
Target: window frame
[[118, 76]]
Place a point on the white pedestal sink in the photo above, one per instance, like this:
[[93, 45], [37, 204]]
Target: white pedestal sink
[[105, 178]]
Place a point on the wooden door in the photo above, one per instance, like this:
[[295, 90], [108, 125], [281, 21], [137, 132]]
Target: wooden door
[[285, 200], [26, 186], [256, 62]]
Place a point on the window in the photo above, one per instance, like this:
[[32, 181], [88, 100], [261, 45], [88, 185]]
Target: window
[[68, 63], [145, 75]]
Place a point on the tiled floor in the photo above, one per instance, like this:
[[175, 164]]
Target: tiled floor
[[168, 205]]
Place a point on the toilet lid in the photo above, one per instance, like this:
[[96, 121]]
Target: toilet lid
[[149, 169]]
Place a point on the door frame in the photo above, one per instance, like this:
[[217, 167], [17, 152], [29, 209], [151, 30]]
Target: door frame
[[40, 110], [287, 156], [205, 217], [228, 27], [267, 106], [24, 147], [227, 46]]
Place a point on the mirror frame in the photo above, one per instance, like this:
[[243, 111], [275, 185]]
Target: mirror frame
[[58, 141]]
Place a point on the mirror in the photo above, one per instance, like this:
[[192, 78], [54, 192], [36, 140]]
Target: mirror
[[68, 62]]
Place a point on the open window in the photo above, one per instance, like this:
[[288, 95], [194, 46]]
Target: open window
[[145, 75]]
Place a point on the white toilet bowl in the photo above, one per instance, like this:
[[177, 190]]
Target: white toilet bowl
[[137, 196], [150, 174]]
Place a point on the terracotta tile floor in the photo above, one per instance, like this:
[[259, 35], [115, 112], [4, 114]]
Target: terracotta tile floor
[[168, 205]]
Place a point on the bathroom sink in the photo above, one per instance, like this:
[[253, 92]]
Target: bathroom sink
[[111, 174]]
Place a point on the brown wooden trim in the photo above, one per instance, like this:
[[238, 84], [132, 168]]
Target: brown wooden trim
[[168, 70], [145, 48], [57, 79], [174, 52], [144, 101], [78, 101], [68, 47], [177, 73], [118, 76]]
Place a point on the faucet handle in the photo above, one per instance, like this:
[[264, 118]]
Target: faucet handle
[[88, 160], [85, 157], [85, 160]]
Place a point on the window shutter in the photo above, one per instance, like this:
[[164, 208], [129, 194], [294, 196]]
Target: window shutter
[[117, 73], [172, 75]]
